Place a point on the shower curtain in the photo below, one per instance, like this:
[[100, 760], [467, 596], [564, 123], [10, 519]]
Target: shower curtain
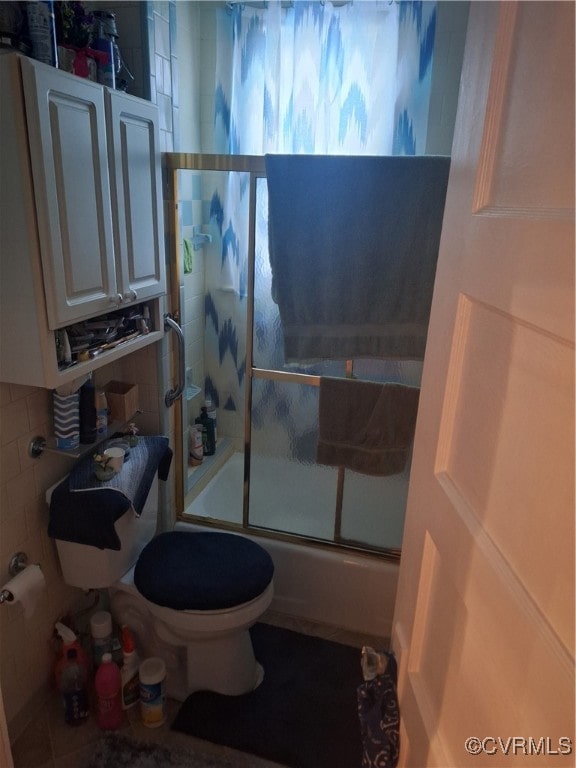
[[314, 78]]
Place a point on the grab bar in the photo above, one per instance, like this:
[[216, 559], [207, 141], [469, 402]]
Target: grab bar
[[173, 394]]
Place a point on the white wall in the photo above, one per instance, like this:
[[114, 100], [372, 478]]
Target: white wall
[[452, 20]]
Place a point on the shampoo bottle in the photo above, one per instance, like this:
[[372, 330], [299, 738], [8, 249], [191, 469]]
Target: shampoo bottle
[[211, 413], [208, 432]]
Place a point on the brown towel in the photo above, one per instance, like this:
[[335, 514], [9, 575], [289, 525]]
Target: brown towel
[[364, 426]]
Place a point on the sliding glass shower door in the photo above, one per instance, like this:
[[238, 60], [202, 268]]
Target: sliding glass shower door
[[289, 490], [267, 410]]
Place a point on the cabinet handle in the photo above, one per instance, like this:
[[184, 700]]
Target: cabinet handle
[[118, 299], [131, 295]]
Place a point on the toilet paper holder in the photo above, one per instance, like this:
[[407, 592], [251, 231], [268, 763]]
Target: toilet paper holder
[[18, 562]]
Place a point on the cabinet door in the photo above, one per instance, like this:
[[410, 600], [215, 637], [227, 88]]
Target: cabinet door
[[136, 196], [67, 135]]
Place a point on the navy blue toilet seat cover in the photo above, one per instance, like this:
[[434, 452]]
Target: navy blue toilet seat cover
[[202, 571]]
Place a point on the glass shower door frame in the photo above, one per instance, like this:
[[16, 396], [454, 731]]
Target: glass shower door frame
[[254, 166]]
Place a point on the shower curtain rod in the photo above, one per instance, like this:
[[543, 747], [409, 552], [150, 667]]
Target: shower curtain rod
[[263, 4]]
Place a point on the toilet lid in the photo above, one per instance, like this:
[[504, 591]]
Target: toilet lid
[[202, 570]]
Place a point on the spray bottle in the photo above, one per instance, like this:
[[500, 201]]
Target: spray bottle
[[69, 642]]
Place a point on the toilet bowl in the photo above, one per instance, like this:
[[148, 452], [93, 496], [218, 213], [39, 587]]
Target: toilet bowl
[[201, 633], [189, 598]]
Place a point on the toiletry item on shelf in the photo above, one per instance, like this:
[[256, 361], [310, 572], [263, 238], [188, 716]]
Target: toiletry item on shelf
[[208, 434], [101, 412], [73, 686], [42, 31], [129, 670], [101, 631], [66, 420], [195, 445], [105, 64], [212, 414], [108, 684], [87, 412]]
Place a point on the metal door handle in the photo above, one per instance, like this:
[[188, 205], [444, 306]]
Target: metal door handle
[[173, 394]]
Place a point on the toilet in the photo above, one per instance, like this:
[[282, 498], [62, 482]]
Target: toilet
[[189, 598]]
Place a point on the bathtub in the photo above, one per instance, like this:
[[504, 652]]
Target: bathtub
[[343, 589]]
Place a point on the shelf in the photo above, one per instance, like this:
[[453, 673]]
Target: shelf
[[40, 444]]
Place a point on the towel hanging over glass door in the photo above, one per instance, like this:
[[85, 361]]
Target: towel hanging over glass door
[[353, 246]]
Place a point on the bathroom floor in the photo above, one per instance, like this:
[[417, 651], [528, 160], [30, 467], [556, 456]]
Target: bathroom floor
[[48, 742]]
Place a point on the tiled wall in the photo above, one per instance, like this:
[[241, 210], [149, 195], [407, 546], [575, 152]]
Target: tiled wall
[[195, 52], [26, 651]]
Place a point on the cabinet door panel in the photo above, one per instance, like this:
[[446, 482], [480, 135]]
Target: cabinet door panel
[[68, 148], [136, 197]]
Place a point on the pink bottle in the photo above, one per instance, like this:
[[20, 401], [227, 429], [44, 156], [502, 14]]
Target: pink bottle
[[108, 684]]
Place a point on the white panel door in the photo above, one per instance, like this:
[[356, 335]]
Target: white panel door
[[135, 173], [484, 623], [68, 148]]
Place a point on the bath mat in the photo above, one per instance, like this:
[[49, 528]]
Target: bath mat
[[303, 715], [119, 751]]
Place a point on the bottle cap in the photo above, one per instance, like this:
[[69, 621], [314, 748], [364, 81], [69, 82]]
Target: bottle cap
[[101, 624], [152, 670]]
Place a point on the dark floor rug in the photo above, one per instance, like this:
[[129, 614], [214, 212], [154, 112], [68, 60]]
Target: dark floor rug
[[303, 715], [115, 750]]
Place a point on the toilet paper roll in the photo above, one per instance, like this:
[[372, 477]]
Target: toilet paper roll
[[26, 588]]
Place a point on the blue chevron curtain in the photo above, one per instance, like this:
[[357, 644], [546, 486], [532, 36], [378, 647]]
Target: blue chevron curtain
[[324, 78], [307, 77]]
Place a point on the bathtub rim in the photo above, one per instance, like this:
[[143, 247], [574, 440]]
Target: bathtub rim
[[390, 554], [340, 547], [370, 604]]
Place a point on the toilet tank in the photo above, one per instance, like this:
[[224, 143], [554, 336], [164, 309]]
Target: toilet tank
[[93, 568]]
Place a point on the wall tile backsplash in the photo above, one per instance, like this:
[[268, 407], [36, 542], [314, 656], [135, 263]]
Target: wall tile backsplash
[[26, 653]]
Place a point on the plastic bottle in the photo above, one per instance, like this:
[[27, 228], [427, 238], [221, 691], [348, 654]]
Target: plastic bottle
[[105, 65], [152, 682], [129, 671], [208, 424], [195, 445], [72, 684], [101, 412], [69, 642], [108, 685], [212, 414], [42, 30], [101, 631], [87, 412]]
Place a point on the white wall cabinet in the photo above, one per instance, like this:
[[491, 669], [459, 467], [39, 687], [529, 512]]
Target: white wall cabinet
[[136, 184], [96, 168], [81, 217]]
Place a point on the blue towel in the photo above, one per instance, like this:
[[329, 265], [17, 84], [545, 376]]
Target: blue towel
[[84, 510], [353, 246]]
